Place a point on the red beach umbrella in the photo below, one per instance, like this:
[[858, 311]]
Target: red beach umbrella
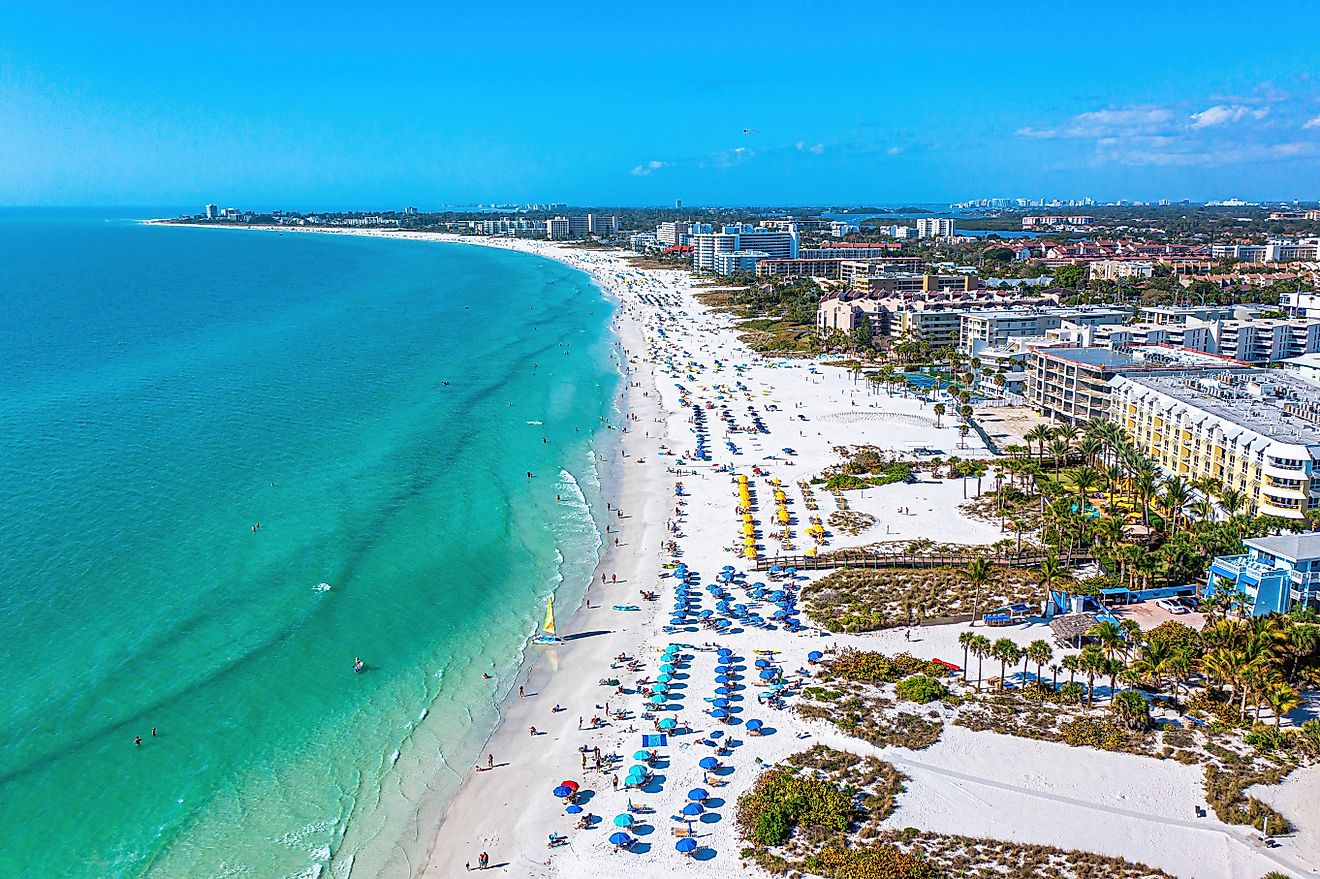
[[571, 785]]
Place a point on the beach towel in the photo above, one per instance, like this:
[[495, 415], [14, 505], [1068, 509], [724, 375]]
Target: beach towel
[[654, 741]]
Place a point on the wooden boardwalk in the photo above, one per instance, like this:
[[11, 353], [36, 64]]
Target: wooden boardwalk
[[905, 560]]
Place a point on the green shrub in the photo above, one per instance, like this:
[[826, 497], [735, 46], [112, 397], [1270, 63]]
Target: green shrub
[[872, 862], [1267, 739], [921, 689], [782, 800]]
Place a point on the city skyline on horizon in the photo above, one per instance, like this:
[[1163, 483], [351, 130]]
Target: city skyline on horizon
[[504, 105]]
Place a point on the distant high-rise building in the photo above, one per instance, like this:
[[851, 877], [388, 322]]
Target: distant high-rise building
[[212, 211], [678, 204], [410, 212], [752, 243], [934, 227]]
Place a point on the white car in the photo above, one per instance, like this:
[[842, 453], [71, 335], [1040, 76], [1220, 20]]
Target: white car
[[1172, 605]]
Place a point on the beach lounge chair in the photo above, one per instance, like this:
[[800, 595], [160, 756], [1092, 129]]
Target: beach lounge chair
[[682, 832]]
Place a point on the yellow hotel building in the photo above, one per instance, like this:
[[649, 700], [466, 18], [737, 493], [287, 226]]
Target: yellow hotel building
[[1254, 430]]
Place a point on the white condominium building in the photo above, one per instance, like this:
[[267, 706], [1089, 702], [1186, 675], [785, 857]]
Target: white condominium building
[[1255, 430], [742, 237], [934, 227]]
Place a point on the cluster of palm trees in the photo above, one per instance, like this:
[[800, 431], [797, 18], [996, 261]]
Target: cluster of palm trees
[[1256, 660], [1095, 487]]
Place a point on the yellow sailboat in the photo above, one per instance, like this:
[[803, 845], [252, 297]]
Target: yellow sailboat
[[548, 634]]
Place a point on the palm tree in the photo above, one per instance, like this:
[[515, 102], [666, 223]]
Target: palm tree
[[1070, 662], [1039, 652], [1173, 497], [1145, 481], [980, 647], [1051, 573], [1109, 636], [1008, 654], [1040, 434], [1282, 699], [1059, 451], [965, 640], [1054, 670], [1091, 662], [1232, 501], [978, 573], [939, 409], [1132, 709]]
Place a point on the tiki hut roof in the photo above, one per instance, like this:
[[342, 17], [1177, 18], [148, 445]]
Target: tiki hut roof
[[1072, 626]]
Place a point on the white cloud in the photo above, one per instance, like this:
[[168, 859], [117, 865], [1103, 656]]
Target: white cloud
[[646, 169], [815, 149], [1221, 114], [894, 150], [1105, 123], [1312, 123]]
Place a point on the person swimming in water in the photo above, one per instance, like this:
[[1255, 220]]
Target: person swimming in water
[[358, 664]]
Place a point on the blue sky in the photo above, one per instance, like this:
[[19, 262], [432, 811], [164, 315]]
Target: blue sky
[[380, 105]]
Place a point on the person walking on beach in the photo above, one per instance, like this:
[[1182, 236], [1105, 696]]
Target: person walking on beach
[[490, 761], [483, 861], [616, 781], [521, 691]]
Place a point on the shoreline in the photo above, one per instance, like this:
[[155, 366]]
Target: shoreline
[[1110, 803], [589, 613]]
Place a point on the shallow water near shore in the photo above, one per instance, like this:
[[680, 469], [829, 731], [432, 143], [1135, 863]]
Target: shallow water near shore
[[375, 404]]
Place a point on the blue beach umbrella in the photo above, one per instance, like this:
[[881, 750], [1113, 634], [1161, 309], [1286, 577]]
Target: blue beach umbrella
[[723, 679], [719, 712], [722, 691], [658, 699], [660, 688], [721, 703], [620, 839], [668, 723], [667, 668], [815, 655], [574, 809], [664, 679], [698, 794], [724, 651], [762, 663], [563, 791], [686, 846], [767, 675], [642, 755], [693, 809], [623, 819], [754, 724], [709, 763]]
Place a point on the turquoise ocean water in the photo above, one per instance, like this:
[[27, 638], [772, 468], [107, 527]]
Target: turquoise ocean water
[[166, 388]]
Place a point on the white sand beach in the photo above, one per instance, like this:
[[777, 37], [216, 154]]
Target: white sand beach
[[979, 784]]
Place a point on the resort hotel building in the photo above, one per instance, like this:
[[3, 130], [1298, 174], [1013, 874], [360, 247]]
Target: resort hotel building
[[750, 243], [1253, 430], [1274, 575]]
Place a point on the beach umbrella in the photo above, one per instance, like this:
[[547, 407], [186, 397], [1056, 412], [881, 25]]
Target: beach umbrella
[[693, 809], [664, 679], [706, 614], [686, 846], [562, 791], [623, 819], [709, 763], [767, 675], [660, 688], [658, 699], [677, 621], [722, 691], [722, 623], [571, 785], [754, 724], [762, 663], [642, 755], [620, 839], [724, 651], [667, 668], [727, 568], [721, 703], [815, 656], [719, 712], [668, 723], [574, 809], [723, 679], [698, 794]]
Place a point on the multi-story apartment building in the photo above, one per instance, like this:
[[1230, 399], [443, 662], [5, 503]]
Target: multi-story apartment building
[[1275, 574], [799, 268], [1077, 222], [738, 262], [745, 237], [857, 251], [993, 328], [1263, 341], [1074, 384], [678, 233], [881, 283], [935, 227], [559, 228], [1253, 430], [1119, 269]]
